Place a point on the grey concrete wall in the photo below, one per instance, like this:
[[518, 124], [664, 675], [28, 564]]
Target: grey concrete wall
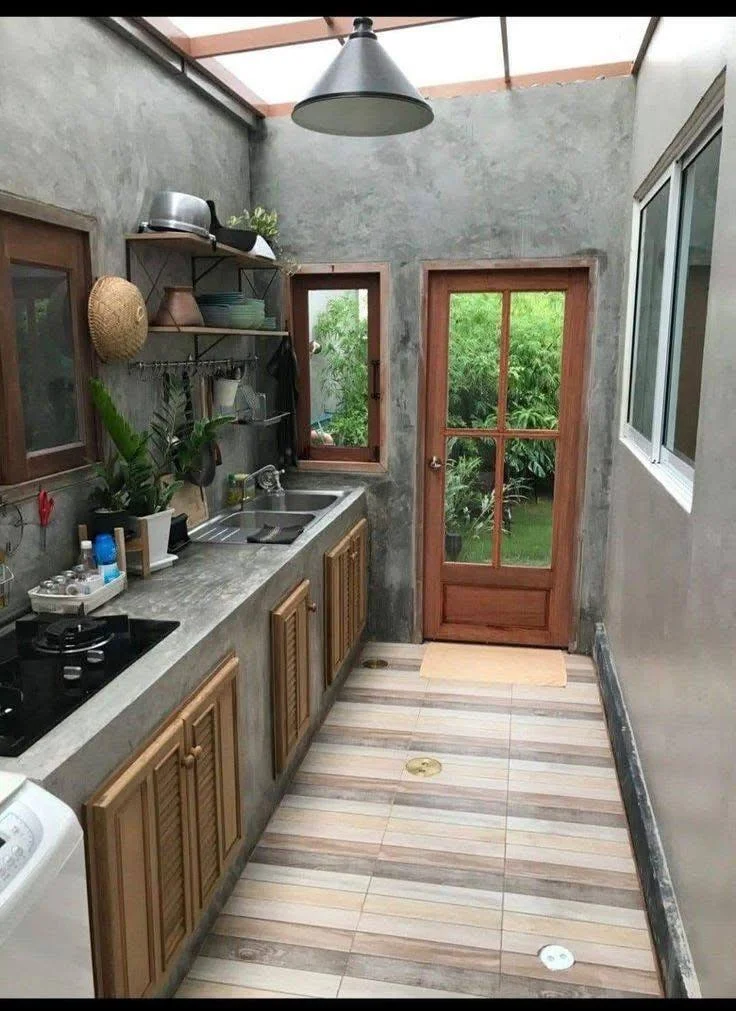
[[670, 584], [529, 173], [91, 124]]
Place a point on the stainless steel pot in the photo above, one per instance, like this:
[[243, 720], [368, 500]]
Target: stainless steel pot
[[179, 212]]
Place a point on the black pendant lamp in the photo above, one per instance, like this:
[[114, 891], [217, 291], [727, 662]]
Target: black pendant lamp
[[362, 93]]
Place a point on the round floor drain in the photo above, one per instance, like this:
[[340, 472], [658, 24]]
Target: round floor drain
[[423, 766], [556, 958], [375, 663]]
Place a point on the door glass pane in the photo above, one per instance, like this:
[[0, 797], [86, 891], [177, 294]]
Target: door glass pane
[[694, 249], [529, 484], [472, 359], [652, 235], [43, 327], [469, 477], [536, 326], [338, 366]]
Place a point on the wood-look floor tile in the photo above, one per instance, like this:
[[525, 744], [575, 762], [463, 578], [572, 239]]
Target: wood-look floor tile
[[572, 843], [429, 892], [562, 785], [379, 989], [491, 843], [579, 830], [437, 953], [355, 714], [306, 877], [401, 865], [583, 930], [330, 898], [440, 913], [532, 767], [328, 824], [631, 981], [570, 909], [313, 958], [305, 935], [589, 952], [336, 804], [432, 975], [292, 912], [347, 848], [571, 857], [284, 854], [265, 977], [444, 859], [199, 989]]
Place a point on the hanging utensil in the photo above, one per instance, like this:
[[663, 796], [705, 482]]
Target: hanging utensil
[[45, 511]]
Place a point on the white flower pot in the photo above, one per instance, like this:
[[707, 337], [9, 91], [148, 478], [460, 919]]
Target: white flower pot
[[225, 392], [159, 525]]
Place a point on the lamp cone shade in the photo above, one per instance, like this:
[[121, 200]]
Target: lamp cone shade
[[362, 93]]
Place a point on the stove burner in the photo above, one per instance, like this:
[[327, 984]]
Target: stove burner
[[72, 635], [11, 700]]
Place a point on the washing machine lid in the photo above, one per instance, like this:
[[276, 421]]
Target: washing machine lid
[[10, 783]]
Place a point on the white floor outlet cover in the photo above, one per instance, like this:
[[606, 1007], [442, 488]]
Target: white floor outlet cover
[[556, 958]]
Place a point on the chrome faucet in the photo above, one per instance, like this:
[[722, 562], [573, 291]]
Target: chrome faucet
[[268, 478]]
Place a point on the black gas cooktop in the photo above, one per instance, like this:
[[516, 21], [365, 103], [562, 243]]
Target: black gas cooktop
[[50, 665]]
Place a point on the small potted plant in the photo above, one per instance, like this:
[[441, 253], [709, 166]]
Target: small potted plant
[[109, 497], [194, 450], [145, 462]]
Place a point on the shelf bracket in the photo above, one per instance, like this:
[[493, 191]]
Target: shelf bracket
[[217, 260]]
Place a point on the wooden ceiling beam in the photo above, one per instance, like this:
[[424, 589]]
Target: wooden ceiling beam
[[331, 24], [294, 33], [651, 29]]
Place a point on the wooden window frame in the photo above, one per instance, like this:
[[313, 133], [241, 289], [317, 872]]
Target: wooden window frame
[[374, 278], [48, 237]]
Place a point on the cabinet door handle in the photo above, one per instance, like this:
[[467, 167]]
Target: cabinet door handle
[[188, 761], [353, 555], [311, 606], [197, 751]]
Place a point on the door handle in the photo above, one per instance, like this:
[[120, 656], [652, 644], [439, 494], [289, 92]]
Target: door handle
[[311, 606], [435, 463]]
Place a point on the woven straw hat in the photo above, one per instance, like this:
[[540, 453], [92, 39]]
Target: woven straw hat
[[118, 321]]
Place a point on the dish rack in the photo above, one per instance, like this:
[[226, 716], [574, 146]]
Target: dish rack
[[62, 603]]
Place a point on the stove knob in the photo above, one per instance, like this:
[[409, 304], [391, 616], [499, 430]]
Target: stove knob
[[72, 673], [95, 656]]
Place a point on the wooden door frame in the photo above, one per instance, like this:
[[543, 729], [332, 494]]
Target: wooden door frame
[[429, 267]]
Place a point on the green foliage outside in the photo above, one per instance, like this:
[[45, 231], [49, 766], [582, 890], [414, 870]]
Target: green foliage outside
[[344, 339], [528, 541]]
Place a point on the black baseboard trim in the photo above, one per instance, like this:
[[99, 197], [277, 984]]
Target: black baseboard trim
[[676, 962]]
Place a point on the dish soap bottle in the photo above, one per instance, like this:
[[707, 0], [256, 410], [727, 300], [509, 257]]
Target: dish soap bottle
[[107, 557]]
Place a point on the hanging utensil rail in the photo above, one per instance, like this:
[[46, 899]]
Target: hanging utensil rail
[[194, 365]]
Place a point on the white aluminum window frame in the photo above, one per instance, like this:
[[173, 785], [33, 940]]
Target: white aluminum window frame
[[674, 473]]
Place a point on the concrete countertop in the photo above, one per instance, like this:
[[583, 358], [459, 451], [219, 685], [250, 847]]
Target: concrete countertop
[[201, 590]]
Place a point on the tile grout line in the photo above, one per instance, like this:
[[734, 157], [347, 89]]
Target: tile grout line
[[385, 830]]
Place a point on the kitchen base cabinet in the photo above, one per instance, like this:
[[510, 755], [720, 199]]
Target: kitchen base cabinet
[[290, 672], [159, 835], [346, 593]]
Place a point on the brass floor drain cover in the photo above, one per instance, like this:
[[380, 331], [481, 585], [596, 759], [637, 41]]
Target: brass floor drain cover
[[423, 766], [375, 663]]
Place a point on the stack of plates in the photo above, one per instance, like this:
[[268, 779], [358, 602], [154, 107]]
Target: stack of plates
[[215, 307], [269, 323], [249, 315]]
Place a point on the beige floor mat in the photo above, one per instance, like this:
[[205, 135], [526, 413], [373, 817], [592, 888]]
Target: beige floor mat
[[518, 665]]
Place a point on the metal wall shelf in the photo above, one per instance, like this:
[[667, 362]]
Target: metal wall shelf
[[212, 330], [193, 245]]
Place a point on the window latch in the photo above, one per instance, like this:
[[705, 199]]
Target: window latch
[[375, 379]]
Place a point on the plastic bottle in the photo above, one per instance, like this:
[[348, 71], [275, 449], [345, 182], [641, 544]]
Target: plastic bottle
[[86, 557], [106, 555]]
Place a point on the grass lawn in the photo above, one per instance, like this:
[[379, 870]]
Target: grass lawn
[[528, 543]]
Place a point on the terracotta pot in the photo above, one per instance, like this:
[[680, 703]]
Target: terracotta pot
[[178, 308]]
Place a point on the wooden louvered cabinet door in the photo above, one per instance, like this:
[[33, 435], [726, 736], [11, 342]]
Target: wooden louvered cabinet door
[[290, 672], [140, 888], [211, 761], [346, 569], [358, 591], [337, 607]]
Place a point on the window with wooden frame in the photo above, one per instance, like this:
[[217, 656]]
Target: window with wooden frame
[[46, 420], [338, 333]]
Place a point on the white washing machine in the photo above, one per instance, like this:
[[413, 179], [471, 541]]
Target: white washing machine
[[45, 948]]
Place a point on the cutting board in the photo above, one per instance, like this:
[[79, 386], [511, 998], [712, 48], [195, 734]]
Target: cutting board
[[190, 499]]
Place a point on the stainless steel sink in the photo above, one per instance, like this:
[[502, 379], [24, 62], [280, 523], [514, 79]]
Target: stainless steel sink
[[290, 509], [296, 500], [236, 527]]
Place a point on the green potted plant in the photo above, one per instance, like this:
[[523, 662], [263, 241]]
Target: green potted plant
[[109, 497], [193, 454], [145, 461], [266, 224]]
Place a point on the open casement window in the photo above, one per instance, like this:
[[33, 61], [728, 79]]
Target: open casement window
[[673, 227], [337, 339], [46, 422]]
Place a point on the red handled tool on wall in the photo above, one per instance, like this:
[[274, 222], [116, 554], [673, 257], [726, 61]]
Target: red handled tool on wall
[[45, 511]]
